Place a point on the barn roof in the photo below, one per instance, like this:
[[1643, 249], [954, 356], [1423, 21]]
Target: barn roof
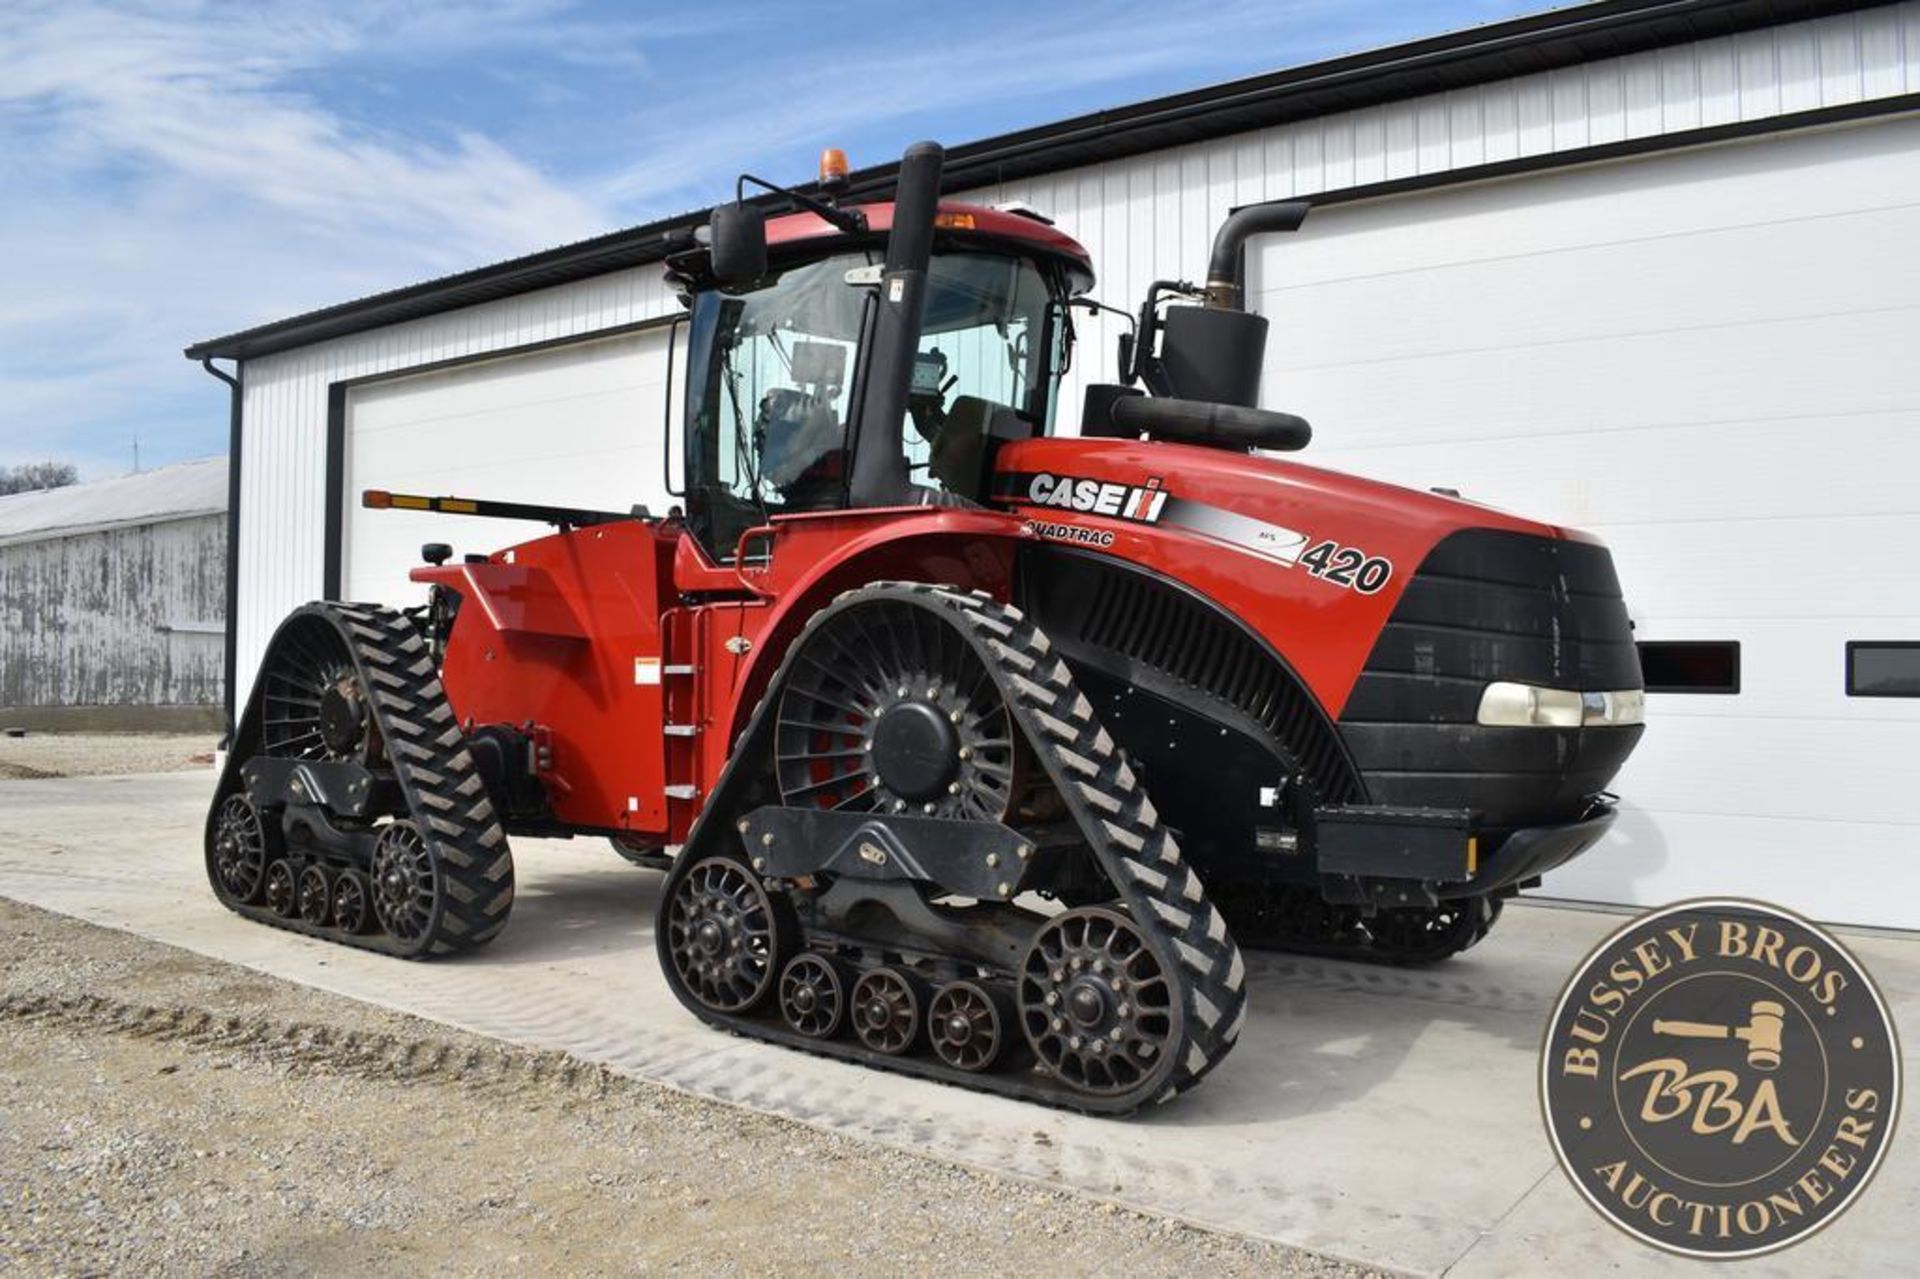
[[1536, 42], [175, 492]]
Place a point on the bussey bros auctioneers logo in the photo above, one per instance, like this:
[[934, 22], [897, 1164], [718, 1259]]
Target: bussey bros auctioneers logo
[[1720, 1078]]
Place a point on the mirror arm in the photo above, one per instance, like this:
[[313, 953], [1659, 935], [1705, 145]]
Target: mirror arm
[[1129, 344], [1146, 339], [1093, 304], [851, 221]]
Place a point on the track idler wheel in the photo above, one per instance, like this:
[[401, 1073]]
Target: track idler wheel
[[282, 889], [1094, 1002], [315, 900], [888, 1008], [726, 935], [352, 904], [406, 888], [969, 1025], [813, 995], [239, 861]]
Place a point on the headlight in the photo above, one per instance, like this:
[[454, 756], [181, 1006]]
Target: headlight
[[1507, 705]]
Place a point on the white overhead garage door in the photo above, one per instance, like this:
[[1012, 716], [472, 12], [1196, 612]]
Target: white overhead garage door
[[576, 425], [1709, 359]]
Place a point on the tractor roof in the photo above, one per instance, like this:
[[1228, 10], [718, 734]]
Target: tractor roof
[[1023, 230]]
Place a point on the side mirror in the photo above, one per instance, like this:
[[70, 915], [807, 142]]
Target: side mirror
[[737, 235], [1127, 372]]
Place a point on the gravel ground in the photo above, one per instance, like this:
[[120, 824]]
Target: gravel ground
[[165, 1112], [102, 754]]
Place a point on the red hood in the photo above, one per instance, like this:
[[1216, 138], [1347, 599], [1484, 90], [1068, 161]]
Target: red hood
[[1255, 534]]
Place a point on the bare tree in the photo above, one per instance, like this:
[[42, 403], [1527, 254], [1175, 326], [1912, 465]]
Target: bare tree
[[30, 476]]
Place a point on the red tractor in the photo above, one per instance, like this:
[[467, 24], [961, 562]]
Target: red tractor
[[969, 750]]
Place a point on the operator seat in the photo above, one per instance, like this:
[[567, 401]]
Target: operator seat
[[972, 425], [960, 445], [802, 449]]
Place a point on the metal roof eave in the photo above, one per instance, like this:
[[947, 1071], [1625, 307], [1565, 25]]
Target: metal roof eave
[[1519, 46]]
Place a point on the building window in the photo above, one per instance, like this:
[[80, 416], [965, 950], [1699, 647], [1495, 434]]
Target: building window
[[1690, 666], [1882, 668]]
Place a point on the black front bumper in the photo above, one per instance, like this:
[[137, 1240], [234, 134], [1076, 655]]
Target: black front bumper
[[1532, 851], [1364, 853]]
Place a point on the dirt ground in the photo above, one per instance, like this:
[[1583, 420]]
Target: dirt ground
[[40, 755], [164, 1112]]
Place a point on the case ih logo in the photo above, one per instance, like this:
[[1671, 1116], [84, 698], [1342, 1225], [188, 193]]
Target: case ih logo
[[1099, 497], [1720, 1079]]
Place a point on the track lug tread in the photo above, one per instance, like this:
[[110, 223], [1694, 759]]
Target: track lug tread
[[436, 774], [1121, 828]]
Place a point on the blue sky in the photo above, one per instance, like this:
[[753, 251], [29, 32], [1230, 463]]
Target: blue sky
[[174, 170]]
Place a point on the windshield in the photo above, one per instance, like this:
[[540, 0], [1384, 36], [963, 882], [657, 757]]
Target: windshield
[[772, 372]]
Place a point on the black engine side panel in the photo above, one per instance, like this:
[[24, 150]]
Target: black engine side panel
[[1228, 740], [1138, 623]]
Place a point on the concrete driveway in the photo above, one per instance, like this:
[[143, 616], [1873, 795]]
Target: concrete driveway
[[1383, 1116]]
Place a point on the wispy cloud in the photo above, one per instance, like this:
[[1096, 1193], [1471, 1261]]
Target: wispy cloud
[[169, 160], [176, 168]]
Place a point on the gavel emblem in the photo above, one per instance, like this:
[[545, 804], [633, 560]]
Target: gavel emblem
[[1762, 1032]]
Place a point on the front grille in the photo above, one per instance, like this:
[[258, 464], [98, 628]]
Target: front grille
[[1489, 605]]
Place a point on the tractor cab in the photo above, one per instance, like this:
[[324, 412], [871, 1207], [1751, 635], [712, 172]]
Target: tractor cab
[[862, 356], [812, 388]]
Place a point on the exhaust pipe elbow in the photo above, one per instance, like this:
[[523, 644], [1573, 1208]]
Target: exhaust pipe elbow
[[1226, 267]]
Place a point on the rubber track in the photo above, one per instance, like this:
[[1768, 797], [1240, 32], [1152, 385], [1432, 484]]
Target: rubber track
[[445, 795], [1186, 933]]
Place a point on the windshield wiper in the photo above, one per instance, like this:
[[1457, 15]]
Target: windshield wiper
[[742, 455]]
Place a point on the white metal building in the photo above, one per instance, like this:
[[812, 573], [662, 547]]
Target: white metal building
[[1645, 267]]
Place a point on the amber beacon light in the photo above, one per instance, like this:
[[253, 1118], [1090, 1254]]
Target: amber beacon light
[[833, 169]]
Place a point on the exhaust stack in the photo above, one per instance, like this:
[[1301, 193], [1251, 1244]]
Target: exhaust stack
[[879, 468]]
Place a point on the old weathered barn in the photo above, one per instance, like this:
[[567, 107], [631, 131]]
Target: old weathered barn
[[113, 602]]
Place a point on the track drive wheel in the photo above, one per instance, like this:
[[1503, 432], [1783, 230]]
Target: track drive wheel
[[890, 711], [1095, 1003], [314, 700], [727, 936]]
